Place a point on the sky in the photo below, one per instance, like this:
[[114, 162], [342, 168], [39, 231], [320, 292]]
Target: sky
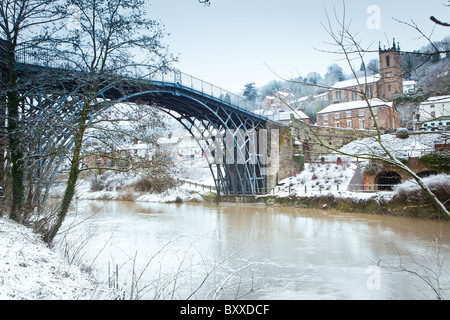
[[235, 42]]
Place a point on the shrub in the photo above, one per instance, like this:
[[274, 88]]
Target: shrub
[[438, 184], [438, 160], [402, 133], [143, 185]]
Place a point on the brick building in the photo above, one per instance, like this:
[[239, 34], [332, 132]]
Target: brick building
[[357, 115]]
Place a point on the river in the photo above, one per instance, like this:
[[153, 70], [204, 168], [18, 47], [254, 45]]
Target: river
[[229, 251]]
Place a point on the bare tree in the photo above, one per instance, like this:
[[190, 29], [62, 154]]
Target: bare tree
[[112, 41], [353, 51], [19, 22]]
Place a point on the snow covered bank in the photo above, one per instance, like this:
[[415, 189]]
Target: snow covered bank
[[122, 186], [414, 146], [29, 270]]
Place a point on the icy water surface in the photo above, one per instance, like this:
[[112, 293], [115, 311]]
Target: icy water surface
[[228, 251]]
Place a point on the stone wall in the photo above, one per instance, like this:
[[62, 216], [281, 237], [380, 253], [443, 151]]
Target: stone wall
[[371, 174], [283, 163], [314, 141], [298, 143]]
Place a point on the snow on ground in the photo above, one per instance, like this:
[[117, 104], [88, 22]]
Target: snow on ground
[[336, 179], [29, 270], [413, 146], [323, 179], [315, 179]]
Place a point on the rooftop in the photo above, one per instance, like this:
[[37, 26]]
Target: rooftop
[[356, 82], [354, 105], [437, 99]]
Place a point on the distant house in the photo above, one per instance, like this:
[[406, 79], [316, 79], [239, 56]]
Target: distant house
[[357, 115], [441, 124], [100, 156], [345, 91], [285, 116], [434, 108], [434, 114], [167, 146], [409, 86], [280, 100]]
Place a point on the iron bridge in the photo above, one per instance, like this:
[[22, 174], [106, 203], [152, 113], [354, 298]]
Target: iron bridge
[[229, 129]]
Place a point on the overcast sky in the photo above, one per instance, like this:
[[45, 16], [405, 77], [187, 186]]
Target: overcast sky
[[235, 42]]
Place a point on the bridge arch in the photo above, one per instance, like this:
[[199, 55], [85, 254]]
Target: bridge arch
[[385, 180], [220, 118], [225, 131]]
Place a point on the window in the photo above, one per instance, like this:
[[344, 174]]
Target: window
[[349, 123], [388, 61], [375, 111], [338, 124], [431, 106], [325, 117], [361, 124], [349, 114], [361, 113], [337, 116]]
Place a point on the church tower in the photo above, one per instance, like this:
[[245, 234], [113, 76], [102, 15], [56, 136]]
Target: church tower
[[391, 82]]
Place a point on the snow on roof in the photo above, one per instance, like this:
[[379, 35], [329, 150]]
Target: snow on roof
[[355, 105], [164, 140], [442, 99], [286, 115], [279, 94], [355, 82], [409, 82], [301, 99]]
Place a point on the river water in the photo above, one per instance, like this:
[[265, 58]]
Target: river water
[[229, 251]]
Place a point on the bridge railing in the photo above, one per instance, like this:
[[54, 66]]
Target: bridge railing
[[206, 88], [30, 56]]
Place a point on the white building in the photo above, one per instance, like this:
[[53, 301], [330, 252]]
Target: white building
[[443, 124], [409, 86], [285, 116], [434, 108]]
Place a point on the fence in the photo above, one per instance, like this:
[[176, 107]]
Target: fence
[[34, 57], [355, 188], [206, 88], [197, 185], [307, 189]]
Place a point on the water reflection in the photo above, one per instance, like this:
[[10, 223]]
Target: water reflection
[[230, 250]]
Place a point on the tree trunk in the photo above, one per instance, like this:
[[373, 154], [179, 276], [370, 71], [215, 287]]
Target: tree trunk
[[16, 154], [71, 183]]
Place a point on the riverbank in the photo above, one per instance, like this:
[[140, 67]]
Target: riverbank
[[406, 200], [30, 270]]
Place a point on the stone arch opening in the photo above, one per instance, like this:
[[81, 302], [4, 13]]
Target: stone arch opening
[[428, 173], [385, 180]]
